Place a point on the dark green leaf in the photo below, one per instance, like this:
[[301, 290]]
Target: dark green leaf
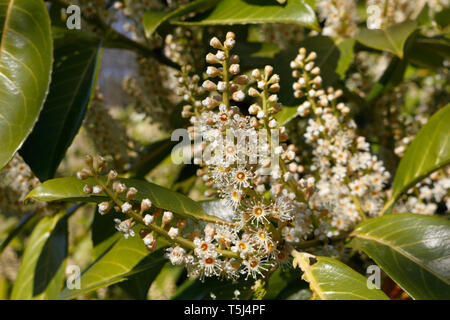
[[429, 151], [25, 69], [77, 60], [229, 12], [412, 249], [42, 271], [121, 260], [153, 19], [391, 39]]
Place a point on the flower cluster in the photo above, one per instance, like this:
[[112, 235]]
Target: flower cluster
[[348, 180], [340, 17], [108, 135], [16, 181]]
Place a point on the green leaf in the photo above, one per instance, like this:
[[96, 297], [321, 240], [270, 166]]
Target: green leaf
[[153, 19], [229, 12], [27, 219], [429, 151], [123, 259], [430, 52], [346, 56], [25, 68], [412, 249], [330, 279], [42, 271], [391, 39], [77, 60], [286, 114], [71, 189]]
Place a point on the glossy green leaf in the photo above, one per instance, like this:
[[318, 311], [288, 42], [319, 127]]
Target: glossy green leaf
[[391, 39], [71, 189], [412, 249], [123, 259], [25, 69], [346, 56], [429, 151], [330, 279], [77, 60], [42, 271], [286, 114], [229, 12], [151, 20]]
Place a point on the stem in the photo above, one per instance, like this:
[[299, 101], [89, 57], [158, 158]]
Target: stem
[[138, 218]]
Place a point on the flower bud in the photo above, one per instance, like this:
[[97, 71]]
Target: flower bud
[[97, 189], [238, 96], [84, 174], [148, 219], [209, 85], [146, 204], [212, 71], [268, 70], [215, 43], [167, 217], [229, 43], [88, 189], [88, 160], [112, 175], [149, 239], [242, 79], [126, 207], [256, 74], [230, 35], [119, 187], [173, 233], [211, 58], [252, 92], [234, 69], [101, 163], [132, 192], [104, 207]]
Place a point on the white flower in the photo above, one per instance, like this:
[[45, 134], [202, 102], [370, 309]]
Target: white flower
[[148, 219], [173, 232]]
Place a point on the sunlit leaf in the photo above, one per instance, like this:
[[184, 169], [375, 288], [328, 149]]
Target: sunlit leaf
[[330, 279], [412, 249], [25, 68], [42, 271]]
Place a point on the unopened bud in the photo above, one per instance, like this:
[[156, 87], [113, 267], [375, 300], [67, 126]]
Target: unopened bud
[[167, 217], [104, 207], [146, 204], [132, 192], [215, 43]]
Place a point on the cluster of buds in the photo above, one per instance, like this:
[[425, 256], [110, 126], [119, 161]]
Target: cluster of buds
[[348, 181], [126, 200]]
